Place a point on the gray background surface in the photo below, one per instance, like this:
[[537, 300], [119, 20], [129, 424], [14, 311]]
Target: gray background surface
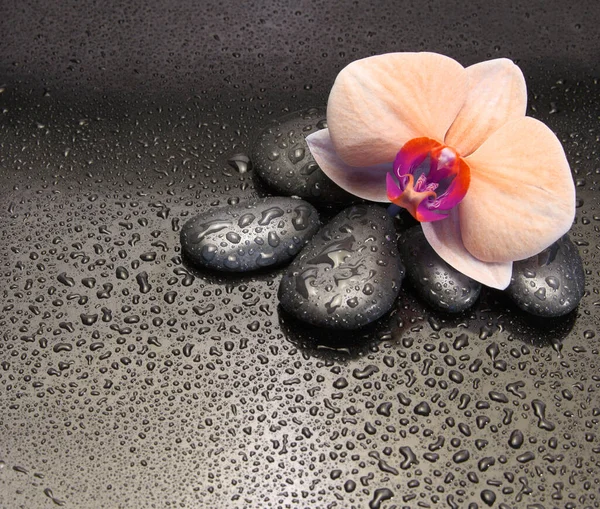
[[117, 121]]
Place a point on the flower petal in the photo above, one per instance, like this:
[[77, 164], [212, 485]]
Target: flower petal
[[379, 103], [497, 94], [522, 196], [367, 183], [445, 238]]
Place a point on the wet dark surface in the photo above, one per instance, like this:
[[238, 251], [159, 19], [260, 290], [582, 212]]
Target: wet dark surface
[[128, 379]]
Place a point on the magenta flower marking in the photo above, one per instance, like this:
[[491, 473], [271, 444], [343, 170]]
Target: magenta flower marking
[[431, 179]]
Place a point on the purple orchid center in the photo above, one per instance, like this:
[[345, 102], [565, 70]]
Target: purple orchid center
[[429, 179]]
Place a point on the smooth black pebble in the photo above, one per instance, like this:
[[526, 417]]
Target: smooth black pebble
[[282, 159], [246, 237], [349, 274], [436, 282], [550, 283]]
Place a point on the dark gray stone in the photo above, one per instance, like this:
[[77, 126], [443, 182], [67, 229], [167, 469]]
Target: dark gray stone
[[437, 283], [249, 236], [551, 283], [282, 159], [349, 274]]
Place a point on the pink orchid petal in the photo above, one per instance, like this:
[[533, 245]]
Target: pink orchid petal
[[521, 198], [497, 94], [368, 183], [445, 238], [379, 103]]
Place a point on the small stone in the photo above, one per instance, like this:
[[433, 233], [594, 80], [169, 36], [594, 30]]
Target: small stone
[[282, 159], [437, 283], [250, 236], [349, 274], [550, 283]]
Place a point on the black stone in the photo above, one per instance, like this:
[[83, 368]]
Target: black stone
[[550, 283], [249, 236], [282, 159], [349, 274], [437, 283]]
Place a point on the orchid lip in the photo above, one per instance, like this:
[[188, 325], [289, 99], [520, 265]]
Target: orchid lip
[[429, 179]]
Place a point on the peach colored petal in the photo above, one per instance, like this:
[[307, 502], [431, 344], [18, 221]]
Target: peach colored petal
[[497, 94], [522, 196], [367, 183], [379, 103], [445, 238]]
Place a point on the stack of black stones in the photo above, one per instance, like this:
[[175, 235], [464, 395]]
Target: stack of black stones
[[348, 272]]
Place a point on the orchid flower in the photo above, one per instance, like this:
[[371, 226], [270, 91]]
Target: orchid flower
[[453, 146]]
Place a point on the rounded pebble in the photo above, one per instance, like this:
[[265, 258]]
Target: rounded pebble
[[436, 282], [282, 159], [251, 236], [349, 274], [551, 283]]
